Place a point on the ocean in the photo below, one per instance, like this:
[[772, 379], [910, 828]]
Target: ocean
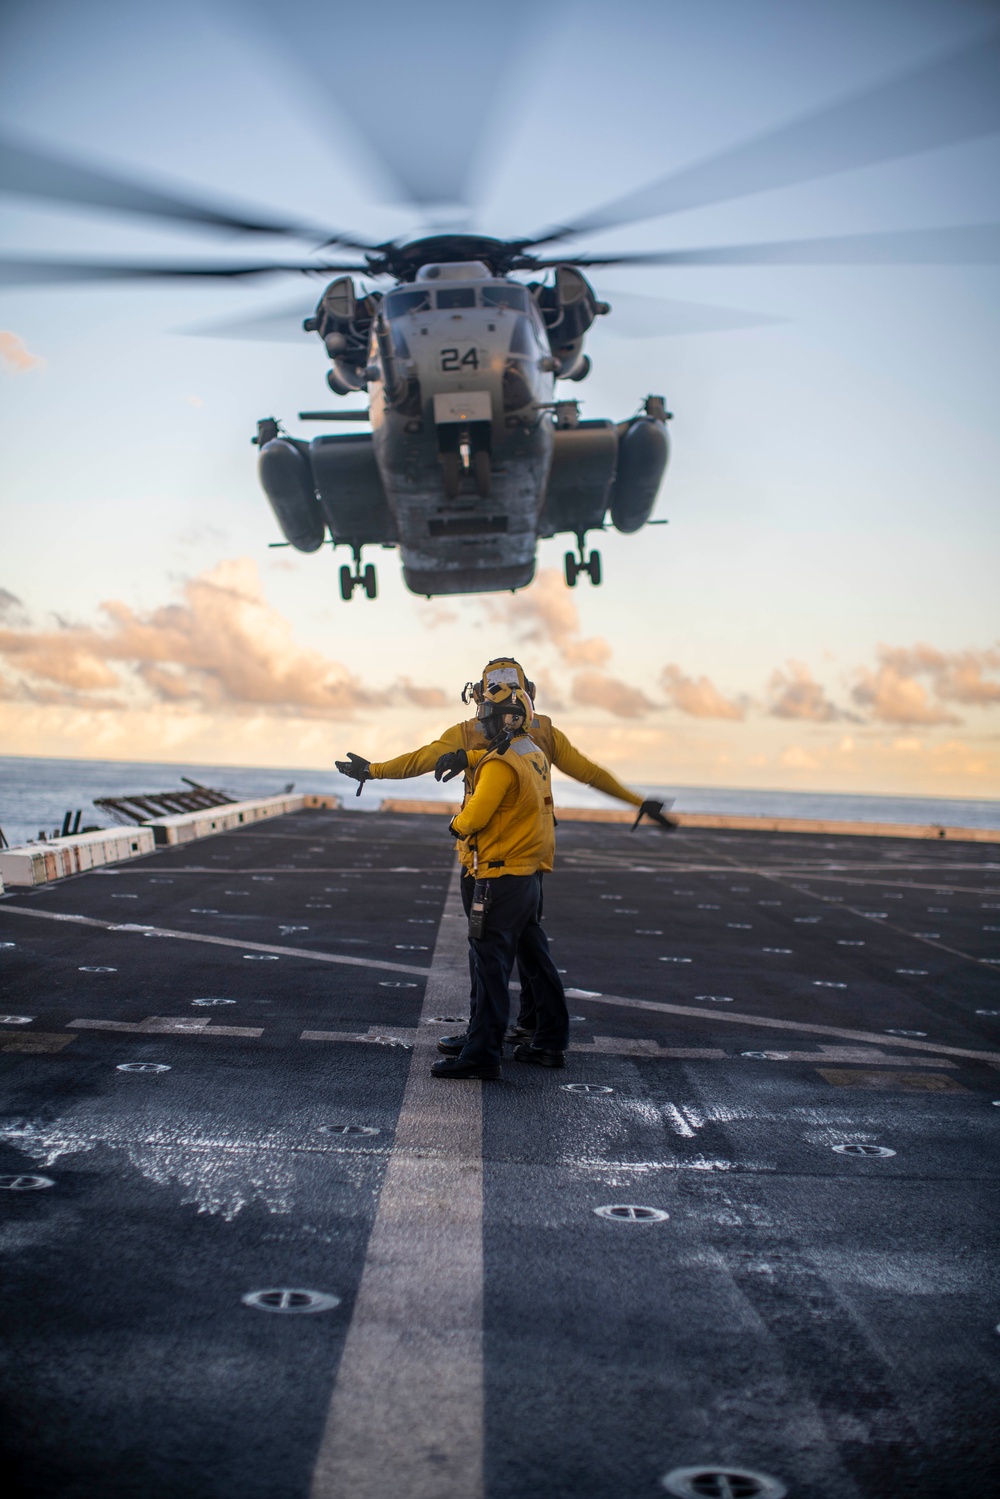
[[36, 793]]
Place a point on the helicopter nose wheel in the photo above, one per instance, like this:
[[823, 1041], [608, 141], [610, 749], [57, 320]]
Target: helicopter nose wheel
[[574, 566], [358, 578]]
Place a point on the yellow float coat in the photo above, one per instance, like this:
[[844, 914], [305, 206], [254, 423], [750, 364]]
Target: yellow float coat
[[506, 824]]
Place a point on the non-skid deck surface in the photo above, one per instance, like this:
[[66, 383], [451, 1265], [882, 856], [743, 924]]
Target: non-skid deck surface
[[742, 1005]]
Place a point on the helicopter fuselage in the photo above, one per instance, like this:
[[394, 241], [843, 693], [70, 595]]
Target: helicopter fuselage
[[460, 384]]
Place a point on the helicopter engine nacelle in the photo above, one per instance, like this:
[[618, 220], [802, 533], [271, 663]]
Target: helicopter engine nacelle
[[643, 450], [568, 309], [286, 479]]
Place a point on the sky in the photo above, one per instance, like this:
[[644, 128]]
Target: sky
[[821, 611]]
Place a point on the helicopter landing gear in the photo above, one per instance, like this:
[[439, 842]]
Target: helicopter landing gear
[[574, 566], [481, 473], [360, 578], [451, 470]]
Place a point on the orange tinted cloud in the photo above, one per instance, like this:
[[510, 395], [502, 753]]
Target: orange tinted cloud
[[894, 693], [794, 693], [955, 676], [697, 696], [595, 689], [15, 354], [545, 613], [224, 647]]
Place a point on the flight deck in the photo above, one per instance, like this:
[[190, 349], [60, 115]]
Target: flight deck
[[743, 1244]]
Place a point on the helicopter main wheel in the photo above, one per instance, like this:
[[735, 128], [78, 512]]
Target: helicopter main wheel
[[346, 583], [369, 581], [571, 568], [451, 466], [594, 568], [481, 473]]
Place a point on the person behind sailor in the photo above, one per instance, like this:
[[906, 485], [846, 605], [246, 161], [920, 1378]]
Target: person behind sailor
[[458, 749], [508, 832]]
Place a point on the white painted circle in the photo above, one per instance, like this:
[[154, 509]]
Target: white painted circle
[[25, 1183], [395, 984], [348, 1129], [786, 950], [7, 944], [676, 960], [585, 1088], [410, 947], [89, 968], [286, 1299], [213, 1001], [766, 1056], [714, 999], [713, 1481], [865, 1150], [448, 1020], [261, 957], [904, 1033], [143, 1067], [988, 1012], [16, 1019], [631, 1212], [917, 973]]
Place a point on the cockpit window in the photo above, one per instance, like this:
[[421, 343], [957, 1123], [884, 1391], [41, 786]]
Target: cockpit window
[[457, 296], [399, 302], [514, 297]]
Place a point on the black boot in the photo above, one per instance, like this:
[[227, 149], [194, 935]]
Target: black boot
[[539, 1057], [452, 1046], [452, 1067]]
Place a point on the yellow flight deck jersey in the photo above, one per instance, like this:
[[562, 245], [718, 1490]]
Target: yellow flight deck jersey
[[506, 825], [469, 736]]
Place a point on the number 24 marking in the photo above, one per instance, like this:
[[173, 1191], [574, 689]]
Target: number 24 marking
[[453, 359]]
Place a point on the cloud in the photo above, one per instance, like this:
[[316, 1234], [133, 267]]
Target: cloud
[[545, 613], [893, 693], [223, 648], [955, 676], [795, 694], [697, 696], [15, 354], [595, 689]]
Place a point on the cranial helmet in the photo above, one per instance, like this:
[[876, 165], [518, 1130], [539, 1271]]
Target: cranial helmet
[[502, 670]]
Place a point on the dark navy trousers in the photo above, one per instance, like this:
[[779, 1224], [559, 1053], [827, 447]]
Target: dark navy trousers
[[526, 1016], [513, 929]]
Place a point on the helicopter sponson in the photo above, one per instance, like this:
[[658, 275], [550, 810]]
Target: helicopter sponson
[[470, 458]]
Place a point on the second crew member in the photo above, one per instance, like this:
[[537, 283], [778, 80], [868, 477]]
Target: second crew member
[[506, 829]]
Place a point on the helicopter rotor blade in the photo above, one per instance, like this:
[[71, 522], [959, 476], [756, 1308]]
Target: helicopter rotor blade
[[29, 171], [955, 98], [281, 324], [962, 244], [14, 272], [635, 316], [430, 106]]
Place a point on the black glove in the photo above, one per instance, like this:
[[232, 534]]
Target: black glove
[[451, 826], [654, 811], [358, 769], [451, 765]]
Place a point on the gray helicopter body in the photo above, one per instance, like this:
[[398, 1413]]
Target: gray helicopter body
[[470, 458]]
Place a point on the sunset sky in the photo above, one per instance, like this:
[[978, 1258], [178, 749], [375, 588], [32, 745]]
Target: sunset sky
[[823, 610]]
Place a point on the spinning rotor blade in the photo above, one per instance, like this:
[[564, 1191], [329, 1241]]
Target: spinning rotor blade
[[34, 173], [427, 103], [281, 325], [51, 272], [635, 316], [963, 244], [955, 98]]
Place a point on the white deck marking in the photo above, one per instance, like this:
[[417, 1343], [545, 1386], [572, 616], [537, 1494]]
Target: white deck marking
[[281, 952], [730, 1017], [406, 1418]]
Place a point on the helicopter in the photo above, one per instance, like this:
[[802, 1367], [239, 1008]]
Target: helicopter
[[471, 457]]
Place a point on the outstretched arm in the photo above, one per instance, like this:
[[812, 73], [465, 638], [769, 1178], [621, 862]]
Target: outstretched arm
[[418, 762], [572, 763]]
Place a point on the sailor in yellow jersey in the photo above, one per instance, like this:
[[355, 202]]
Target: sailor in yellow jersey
[[458, 750], [506, 831]]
